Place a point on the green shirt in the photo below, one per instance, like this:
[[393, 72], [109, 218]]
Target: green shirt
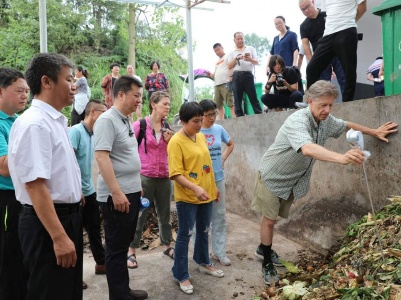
[[283, 168], [6, 122]]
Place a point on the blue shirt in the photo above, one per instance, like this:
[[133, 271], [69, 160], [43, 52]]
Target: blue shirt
[[82, 143], [6, 122], [285, 47], [215, 136]]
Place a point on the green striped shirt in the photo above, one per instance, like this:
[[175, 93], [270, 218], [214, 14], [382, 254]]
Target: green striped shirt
[[283, 167]]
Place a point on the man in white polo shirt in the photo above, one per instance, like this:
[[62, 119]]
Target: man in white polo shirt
[[243, 60], [47, 182], [340, 39]]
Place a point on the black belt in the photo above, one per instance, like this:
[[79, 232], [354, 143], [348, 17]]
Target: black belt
[[61, 209], [242, 72]]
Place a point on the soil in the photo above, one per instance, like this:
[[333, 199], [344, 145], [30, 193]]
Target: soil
[[242, 280]]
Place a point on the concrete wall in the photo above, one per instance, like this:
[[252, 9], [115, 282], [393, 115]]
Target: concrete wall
[[338, 194]]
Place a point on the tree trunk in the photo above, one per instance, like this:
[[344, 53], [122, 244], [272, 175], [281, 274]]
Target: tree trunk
[[131, 35]]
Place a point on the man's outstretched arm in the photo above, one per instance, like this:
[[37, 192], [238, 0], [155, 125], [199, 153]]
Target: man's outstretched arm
[[381, 132], [352, 156]]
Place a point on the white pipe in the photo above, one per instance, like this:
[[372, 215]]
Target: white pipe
[[43, 26], [190, 54]]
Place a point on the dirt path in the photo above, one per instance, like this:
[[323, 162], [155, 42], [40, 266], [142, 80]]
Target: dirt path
[[242, 278]]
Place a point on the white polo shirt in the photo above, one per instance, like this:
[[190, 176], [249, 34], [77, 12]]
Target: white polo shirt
[[39, 148], [340, 15], [221, 73]]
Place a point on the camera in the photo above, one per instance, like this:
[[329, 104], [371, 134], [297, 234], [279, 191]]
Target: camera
[[279, 79]]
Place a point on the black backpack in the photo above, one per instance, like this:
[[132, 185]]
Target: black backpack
[[142, 132]]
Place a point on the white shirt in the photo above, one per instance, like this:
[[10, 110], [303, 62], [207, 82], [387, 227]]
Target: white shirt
[[39, 148], [340, 14], [221, 72], [243, 65]]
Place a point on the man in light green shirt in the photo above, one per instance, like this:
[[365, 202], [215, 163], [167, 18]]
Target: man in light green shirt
[[285, 169]]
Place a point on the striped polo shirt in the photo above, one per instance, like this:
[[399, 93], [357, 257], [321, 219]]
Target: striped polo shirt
[[283, 168]]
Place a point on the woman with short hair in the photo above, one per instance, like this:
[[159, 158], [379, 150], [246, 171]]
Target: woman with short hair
[[190, 166]]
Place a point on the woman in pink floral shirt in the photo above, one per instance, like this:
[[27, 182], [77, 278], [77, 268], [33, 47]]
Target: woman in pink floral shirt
[[156, 81]]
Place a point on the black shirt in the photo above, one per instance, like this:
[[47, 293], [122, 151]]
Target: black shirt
[[291, 77], [313, 29]]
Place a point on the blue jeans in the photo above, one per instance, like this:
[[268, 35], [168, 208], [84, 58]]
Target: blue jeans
[[188, 214], [219, 225]]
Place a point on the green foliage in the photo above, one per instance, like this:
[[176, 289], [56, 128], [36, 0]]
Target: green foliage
[[360, 293], [204, 92], [93, 34], [261, 44]]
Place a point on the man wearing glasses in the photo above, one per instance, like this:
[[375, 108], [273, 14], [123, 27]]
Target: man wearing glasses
[[13, 277], [340, 39], [119, 183], [80, 136], [312, 30]]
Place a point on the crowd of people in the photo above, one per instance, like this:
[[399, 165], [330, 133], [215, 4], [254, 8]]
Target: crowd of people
[[49, 194], [46, 185]]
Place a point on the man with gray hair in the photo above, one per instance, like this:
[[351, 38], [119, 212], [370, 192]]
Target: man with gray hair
[[285, 169]]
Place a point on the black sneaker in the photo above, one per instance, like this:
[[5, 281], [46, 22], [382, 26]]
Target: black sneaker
[[269, 272], [138, 294], [275, 259]]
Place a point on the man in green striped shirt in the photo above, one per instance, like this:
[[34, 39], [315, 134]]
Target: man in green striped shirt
[[285, 169]]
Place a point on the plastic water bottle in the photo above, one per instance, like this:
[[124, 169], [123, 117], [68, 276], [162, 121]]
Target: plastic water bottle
[[144, 203]]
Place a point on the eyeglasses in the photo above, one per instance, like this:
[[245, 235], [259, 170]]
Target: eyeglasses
[[100, 110], [306, 7], [211, 115], [130, 132]]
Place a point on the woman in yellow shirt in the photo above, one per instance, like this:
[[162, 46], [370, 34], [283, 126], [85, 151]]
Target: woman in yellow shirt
[[190, 167]]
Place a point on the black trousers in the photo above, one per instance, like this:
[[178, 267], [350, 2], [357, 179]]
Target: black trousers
[[282, 101], [76, 118], [91, 221], [49, 281], [243, 82], [342, 44], [119, 229], [13, 275]]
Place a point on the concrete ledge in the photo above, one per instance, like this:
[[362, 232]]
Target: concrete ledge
[[338, 194]]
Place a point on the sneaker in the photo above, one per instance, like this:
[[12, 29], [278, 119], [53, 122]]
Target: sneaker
[[225, 261], [275, 259], [269, 272], [301, 104]]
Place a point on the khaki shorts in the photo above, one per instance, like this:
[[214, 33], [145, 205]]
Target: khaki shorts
[[223, 95], [269, 205]]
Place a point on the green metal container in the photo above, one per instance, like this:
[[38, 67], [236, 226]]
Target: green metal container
[[390, 12], [248, 110]]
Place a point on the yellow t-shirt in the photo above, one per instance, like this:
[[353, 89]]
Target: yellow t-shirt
[[192, 160]]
